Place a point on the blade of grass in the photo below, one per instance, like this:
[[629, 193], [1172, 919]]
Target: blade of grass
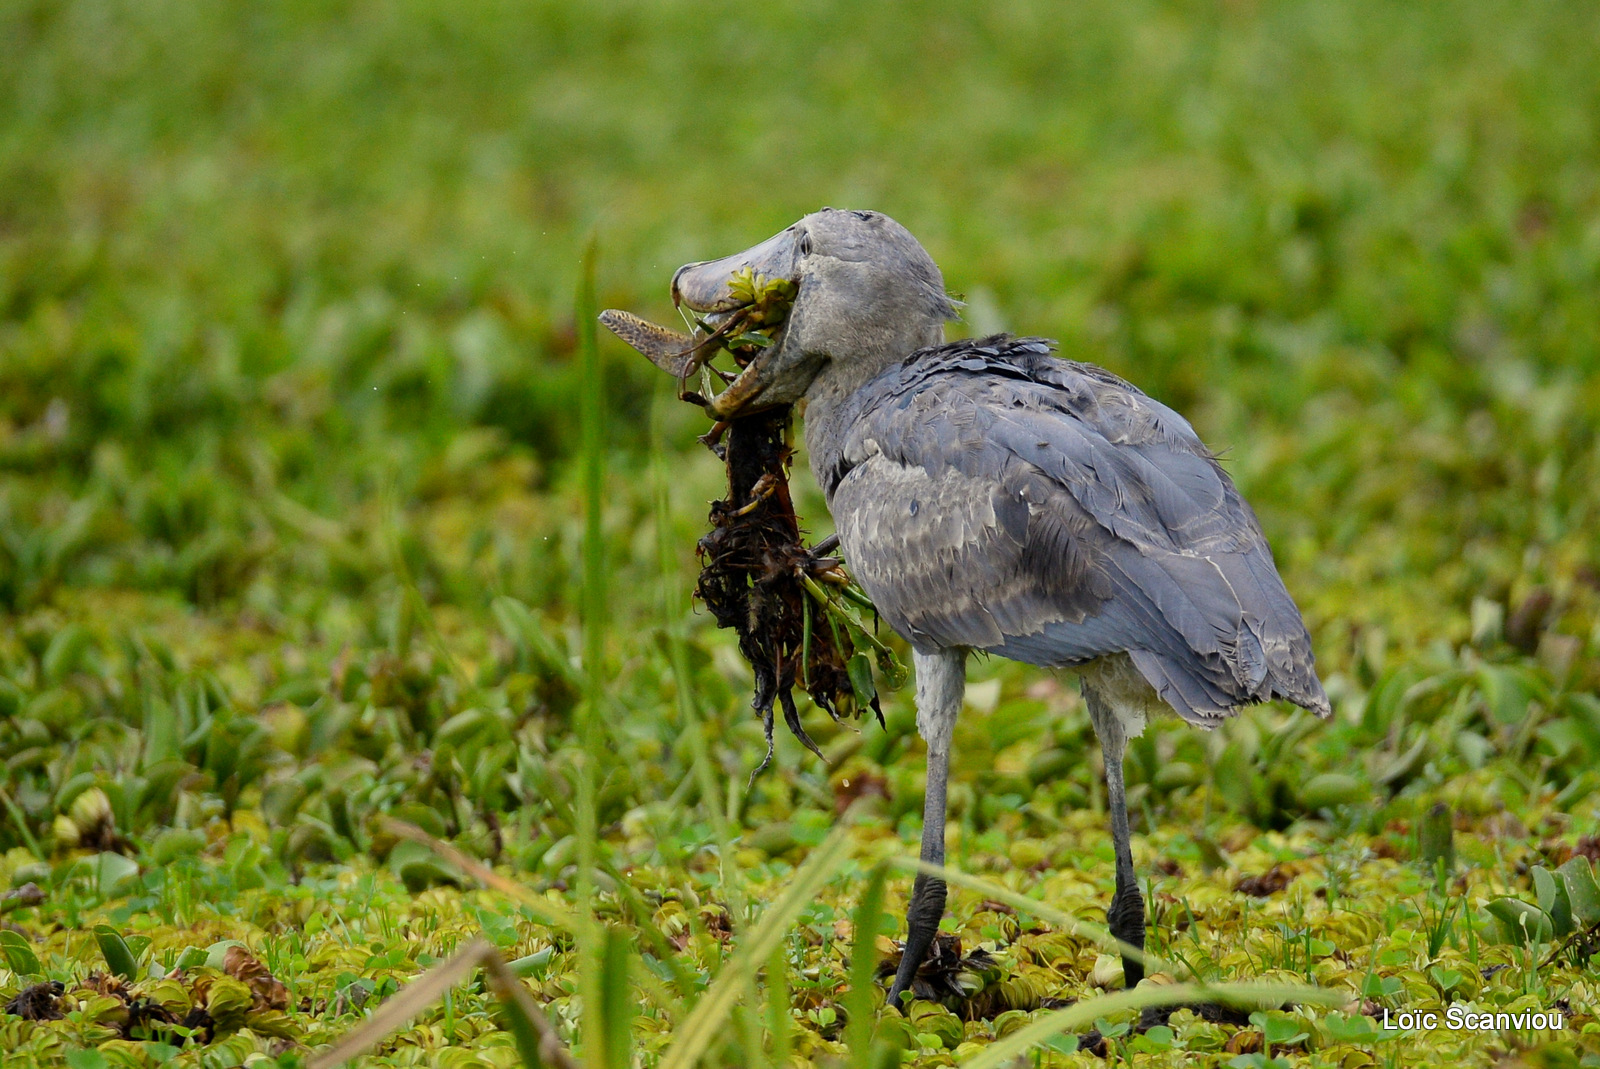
[[421, 611], [780, 1024], [21, 823], [863, 965], [665, 952], [549, 912], [683, 682], [1083, 1014], [747, 1028], [536, 1038], [616, 1036], [593, 615], [695, 1035], [404, 1005]]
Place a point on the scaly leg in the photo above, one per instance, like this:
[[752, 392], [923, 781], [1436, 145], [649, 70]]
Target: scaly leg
[[1125, 918], [941, 682]]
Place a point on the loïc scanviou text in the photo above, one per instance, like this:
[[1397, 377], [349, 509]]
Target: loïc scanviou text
[[1460, 1019]]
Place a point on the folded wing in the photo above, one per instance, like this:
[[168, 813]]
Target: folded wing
[[993, 496]]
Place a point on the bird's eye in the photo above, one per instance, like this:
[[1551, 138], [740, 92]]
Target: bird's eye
[[805, 244]]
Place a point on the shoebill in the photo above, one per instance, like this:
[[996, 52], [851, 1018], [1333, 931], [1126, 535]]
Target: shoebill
[[990, 496]]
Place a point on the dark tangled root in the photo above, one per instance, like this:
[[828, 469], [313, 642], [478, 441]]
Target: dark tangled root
[[752, 579]]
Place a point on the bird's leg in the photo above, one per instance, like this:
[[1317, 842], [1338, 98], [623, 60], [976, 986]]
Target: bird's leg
[[928, 892], [1125, 918], [941, 681]]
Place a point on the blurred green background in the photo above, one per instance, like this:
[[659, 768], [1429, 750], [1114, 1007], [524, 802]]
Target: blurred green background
[[299, 250], [289, 387]]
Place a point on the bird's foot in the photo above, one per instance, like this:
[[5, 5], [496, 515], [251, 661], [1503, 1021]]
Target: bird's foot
[[1125, 918], [935, 977]]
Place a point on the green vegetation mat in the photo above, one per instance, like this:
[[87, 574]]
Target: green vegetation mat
[[292, 525]]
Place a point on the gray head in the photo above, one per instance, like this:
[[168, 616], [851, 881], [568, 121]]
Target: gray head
[[868, 294]]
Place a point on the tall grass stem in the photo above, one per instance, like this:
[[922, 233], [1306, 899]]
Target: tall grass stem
[[672, 615], [593, 615]]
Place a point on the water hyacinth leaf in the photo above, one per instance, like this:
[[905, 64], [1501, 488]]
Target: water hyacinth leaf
[[1506, 693], [1386, 699], [1232, 778], [1352, 1028], [833, 600], [160, 734], [532, 964], [1400, 769], [418, 867], [216, 955], [1553, 899], [1582, 892], [1330, 790], [1158, 1038], [66, 651], [423, 816], [73, 786], [523, 629], [1278, 1029], [1582, 713], [18, 954], [174, 843], [114, 874], [895, 673], [119, 958], [86, 1059], [1521, 922], [930, 1019], [192, 958]]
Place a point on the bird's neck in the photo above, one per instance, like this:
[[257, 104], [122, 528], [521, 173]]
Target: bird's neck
[[826, 427], [835, 401]]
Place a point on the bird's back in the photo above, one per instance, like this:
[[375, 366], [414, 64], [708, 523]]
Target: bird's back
[[990, 495]]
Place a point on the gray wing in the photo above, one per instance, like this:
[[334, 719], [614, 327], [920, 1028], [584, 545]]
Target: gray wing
[[992, 496]]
